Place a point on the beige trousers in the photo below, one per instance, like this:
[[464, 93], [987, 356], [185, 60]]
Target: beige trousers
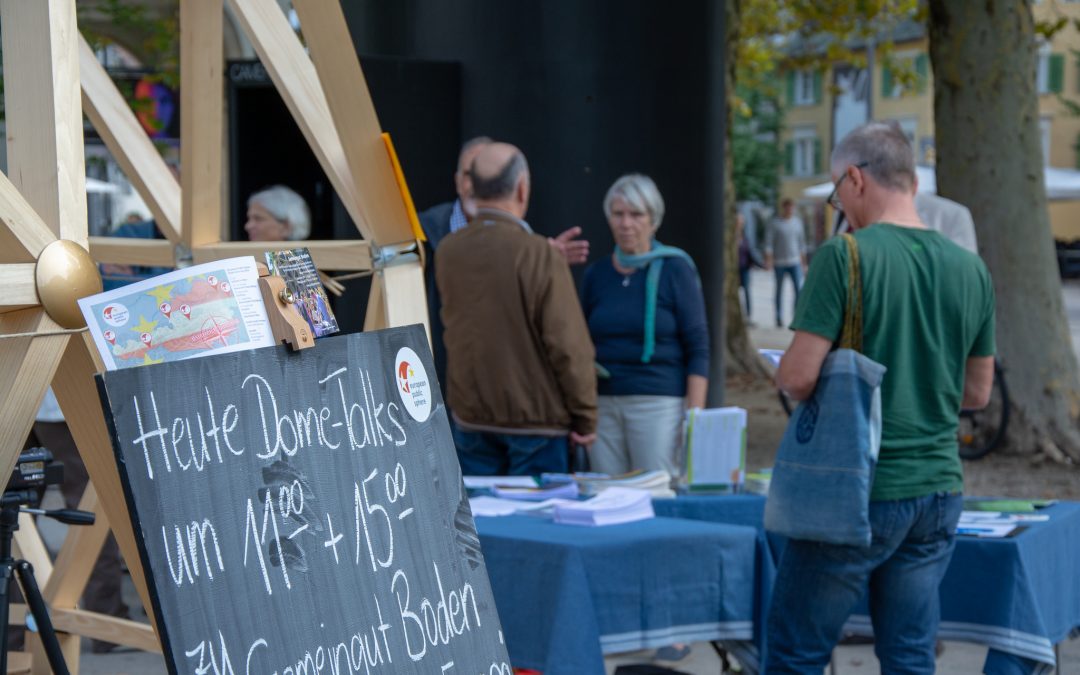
[[638, 432]]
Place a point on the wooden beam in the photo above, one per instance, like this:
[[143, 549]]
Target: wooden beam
[[128, 143], [405, 296], [69, 647], [128, 251], [375, 317], [44, 112], [296, 80], [26, 367], [353, 113], [107, 628], [24, 234], [31, 548], [20, 288], [76, 391], [201, 119], [77, 557], [349, 254]]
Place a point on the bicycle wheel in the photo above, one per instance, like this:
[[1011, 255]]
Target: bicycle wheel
[[980, 431]]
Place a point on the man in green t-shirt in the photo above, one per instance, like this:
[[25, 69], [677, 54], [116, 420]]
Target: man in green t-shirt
[[928, 317]]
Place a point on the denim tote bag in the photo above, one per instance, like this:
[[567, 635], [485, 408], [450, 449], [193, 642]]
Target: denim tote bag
[[820, 486]]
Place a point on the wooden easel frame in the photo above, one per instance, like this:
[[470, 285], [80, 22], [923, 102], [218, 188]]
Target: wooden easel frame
[[51, 78]]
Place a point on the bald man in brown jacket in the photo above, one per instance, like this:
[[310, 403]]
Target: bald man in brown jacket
[[520, 363]]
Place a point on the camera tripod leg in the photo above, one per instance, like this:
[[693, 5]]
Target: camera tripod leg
[[6, 569], [25, 573]]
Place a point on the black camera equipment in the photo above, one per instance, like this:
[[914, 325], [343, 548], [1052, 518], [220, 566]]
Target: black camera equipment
[[35, 470]]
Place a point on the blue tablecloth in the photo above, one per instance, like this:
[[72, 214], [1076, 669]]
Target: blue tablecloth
[[1020, 595], [742, 509], [567, 595]]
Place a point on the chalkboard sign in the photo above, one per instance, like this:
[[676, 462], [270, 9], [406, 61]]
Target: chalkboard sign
[[304, 512]]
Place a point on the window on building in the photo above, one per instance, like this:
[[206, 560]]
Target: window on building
[[803, 153], [804, 87], [1049, 71], [1044, 135]]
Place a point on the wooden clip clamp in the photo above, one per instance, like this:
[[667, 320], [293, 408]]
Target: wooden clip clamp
[[285, 320]]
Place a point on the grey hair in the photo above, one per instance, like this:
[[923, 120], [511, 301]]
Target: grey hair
[[884, 149], [288, 207], [502, 184], [640, 192]]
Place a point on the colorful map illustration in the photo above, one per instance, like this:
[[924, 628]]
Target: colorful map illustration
[[173, 321]]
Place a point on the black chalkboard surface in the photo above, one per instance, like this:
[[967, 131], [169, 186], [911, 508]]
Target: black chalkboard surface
[[304, 512]]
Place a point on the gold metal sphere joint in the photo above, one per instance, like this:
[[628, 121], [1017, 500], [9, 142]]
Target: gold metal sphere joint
[[64, 273]]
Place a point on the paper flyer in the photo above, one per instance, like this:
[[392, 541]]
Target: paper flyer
[[296, 267], [196, 311]]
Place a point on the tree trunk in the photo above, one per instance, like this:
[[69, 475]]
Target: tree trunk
[[989, 157], [740, 354]]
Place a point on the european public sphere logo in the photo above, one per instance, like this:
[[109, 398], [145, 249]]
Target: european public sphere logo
[[115, 314], [412, 384]]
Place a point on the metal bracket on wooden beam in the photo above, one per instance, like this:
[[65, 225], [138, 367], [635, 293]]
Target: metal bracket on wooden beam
[[183, 255], [394, 254]]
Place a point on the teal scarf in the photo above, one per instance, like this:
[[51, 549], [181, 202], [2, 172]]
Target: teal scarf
[[654, 260]]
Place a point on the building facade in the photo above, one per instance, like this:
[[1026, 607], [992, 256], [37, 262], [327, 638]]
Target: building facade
[[822, 105]]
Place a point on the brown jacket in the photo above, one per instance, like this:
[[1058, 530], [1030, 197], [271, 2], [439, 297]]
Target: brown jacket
[[519, 356]]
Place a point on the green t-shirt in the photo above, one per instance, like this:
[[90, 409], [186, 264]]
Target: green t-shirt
[[928, 305]]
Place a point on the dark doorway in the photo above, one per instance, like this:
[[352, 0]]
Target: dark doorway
[[418, 103]]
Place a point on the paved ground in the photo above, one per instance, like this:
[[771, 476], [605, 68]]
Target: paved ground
[[958, 658]]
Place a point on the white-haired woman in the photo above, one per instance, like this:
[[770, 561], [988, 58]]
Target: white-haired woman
[[646, 315], [277, 214]]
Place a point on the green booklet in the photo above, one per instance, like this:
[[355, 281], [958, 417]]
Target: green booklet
[[1006, 505]]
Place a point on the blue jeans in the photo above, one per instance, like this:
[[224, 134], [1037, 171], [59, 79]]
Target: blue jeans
[[744, 284], [490, 454], [818, 585], [795, 272]]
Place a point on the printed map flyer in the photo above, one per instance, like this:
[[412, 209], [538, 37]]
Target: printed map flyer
[[296, 267], [195, 311]]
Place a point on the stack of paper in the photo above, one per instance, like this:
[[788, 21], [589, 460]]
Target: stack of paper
[[715, 448], [613, 506], [656, 483], [493, 506], [537, 494], [489, 482], [994, 525], [757, 482]]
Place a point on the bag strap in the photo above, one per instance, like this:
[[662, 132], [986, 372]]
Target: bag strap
[[852, 335]]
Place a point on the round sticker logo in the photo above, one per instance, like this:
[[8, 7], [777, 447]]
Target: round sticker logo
[[412, 384], [115, 315]]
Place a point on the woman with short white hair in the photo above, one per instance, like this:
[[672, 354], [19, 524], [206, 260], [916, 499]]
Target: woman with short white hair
[[646, 314], [277, 214]]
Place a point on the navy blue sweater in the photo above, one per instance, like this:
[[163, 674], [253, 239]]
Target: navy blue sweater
[[616, 317]]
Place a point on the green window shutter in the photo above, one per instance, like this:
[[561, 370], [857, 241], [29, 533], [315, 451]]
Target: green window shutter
[[817, 156], [791, 87], [1057, 72], [886, 82], [817, 87], [922, 71], [789, 158]]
